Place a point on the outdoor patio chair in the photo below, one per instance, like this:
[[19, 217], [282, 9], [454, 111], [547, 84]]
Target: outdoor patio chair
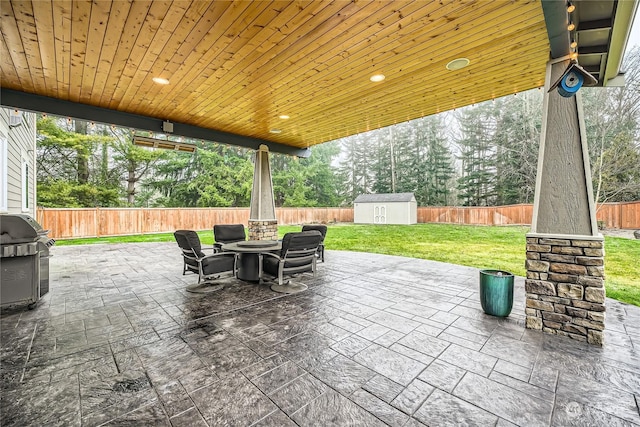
[[227, 233], [298, 255], [323, 230], [208, 267]]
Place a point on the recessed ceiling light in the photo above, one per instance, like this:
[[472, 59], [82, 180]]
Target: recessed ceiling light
[[160, 81], [377, 77], [284, 117], [457, 64], [275, 131]]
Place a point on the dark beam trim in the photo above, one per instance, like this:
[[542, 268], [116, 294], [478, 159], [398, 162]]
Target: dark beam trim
[[555, 16], [599, 24], [590, 50], [42, 104], [592, 69]]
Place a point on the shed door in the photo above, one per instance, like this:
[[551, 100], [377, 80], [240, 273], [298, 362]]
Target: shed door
[[379, 214]]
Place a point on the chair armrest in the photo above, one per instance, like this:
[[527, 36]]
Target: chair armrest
[[219, 254], [271, 255]]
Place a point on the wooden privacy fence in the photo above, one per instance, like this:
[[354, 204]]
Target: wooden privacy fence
[[611, 215], [95, 222], [98, 222], [480, 215]]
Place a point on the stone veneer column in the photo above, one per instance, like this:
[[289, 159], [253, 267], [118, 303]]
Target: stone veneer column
[[565, 251], [565, 290], [263, 224], [263, 230]]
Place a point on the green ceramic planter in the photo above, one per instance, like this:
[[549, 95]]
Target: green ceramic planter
[[496, 292]]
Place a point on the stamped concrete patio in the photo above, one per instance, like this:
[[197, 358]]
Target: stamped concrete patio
[[375, 340]]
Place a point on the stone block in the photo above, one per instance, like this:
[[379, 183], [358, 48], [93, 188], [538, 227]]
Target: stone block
[[576, 312], [531, 247], [589, 324], [593, 252], [585, 260], [595, 316], [577, 337], [532, 296], [587, 243], [550, 331], [531, 312], [570, 291], [562, 278], [567, 250], [591, 306], [595, 338], [555, 317], [574, 329], [595, 271], [551, 324], [544, 276], [533, 265], [533, 323], [592, 282], [540, 305], [533, 255], [555, 242], [532, 240], [578, 270], [560, 308], [555, 300], [592, 294], [569, 259], [539, 287], [533, 275]]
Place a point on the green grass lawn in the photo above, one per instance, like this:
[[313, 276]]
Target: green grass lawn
[[481, 247]]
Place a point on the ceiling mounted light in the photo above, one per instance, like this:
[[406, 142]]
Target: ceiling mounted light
[[571, 26], [377, 78], [457, 64], [570, 7], [284, 117], [275, 131], [160, 80], [574, 44]]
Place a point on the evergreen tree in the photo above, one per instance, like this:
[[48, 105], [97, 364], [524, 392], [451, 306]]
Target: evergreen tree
[[354, 168], [478, 156], [437, 168], [517, 140]]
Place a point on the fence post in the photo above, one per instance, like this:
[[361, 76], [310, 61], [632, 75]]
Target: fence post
[[96, 220]]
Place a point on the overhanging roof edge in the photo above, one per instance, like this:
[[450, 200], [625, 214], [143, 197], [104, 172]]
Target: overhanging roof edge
[[36, 103], [555, 16], [623, 18]]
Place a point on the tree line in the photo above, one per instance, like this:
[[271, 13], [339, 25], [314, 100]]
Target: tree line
[[480, 155]]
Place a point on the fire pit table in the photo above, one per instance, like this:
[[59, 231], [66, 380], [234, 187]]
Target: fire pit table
[[249, 259]]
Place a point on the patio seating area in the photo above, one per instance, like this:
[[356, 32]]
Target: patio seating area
[[374, 340]]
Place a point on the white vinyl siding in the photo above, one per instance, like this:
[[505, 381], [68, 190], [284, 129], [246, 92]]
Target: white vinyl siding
[[20, 161], [25, 182], [4, 174]]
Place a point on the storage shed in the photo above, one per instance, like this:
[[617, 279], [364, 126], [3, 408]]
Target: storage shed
[[394, 208]]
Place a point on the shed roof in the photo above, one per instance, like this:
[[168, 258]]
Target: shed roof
[[389, 197]]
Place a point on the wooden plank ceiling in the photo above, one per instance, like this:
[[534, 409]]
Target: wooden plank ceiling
[[236, 66]]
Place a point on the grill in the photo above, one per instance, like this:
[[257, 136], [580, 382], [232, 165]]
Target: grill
[[24, 260]]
